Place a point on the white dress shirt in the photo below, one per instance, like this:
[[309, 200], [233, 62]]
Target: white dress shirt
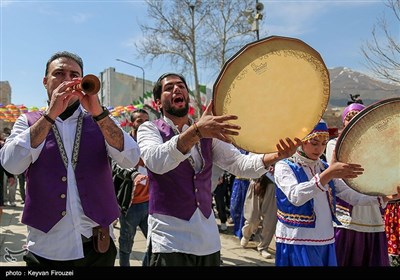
[[63, 241], [199, 235]]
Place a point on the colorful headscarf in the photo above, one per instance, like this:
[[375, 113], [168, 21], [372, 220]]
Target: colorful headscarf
[[321, 129], [351, 108]]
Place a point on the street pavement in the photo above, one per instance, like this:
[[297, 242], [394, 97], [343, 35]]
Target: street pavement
[[13, 239]]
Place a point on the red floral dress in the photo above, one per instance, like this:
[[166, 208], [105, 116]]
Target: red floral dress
[[392, 228]]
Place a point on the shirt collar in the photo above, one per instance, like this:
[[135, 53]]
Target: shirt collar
[[171, 123]]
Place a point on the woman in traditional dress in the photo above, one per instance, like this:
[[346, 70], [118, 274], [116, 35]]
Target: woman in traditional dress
[[306, 201], [360, 238]]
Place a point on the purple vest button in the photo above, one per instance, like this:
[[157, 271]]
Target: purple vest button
[[63, 178], [196, 189], [63, 213], [198, 203], [194, 177], [62, 195]]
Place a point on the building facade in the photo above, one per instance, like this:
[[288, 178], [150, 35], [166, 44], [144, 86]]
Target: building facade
[[118, 89]]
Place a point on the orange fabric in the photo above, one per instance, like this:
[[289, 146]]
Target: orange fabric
[[141, 193]]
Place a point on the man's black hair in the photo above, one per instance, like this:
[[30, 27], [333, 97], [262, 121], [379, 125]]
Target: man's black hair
[[137, 111], [65, 54], [157, 87]]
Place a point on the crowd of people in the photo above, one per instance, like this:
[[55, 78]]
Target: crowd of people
[[158, 177], [7, 183]]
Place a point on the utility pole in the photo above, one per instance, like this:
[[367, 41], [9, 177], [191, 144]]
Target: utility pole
[[120, 60], [254, 18], [257, 17]]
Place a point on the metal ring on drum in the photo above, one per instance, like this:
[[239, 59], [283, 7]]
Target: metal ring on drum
[[372, 139]]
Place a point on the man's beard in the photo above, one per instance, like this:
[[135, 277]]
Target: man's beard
[[178, 112]]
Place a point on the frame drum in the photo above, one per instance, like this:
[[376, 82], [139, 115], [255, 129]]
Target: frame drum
[[278, 87], [372, 139]]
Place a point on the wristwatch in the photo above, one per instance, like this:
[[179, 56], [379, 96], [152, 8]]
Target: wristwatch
[[104, 114]]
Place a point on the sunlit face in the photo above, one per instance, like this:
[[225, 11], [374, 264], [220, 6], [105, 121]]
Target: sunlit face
[[349, 117], [139, 119], [60, 70], [174, 97], [315, 147]]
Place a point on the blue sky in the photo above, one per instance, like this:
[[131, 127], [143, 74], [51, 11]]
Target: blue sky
[[101, 31]]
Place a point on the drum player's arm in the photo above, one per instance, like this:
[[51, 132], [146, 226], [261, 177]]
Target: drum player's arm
[[330, 150], [340, 170], [285, 150], [355, 198], [297, 193], [393, 197]]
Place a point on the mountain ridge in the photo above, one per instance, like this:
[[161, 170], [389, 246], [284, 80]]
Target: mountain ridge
[[345, 81]]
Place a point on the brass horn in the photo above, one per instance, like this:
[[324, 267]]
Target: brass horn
[[90, 85]]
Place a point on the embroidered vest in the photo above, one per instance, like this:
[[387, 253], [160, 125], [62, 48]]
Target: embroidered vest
[[343, 211], [303, 215], [180, 192], [46, 179]]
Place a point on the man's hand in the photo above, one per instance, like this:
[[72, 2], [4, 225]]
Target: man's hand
[[211, 126], [140, 180], [90, 102], [60, 98]]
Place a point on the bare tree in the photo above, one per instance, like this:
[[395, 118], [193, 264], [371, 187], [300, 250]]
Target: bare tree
[[228, 31], [383, 58], [194, 33], [174, 36]]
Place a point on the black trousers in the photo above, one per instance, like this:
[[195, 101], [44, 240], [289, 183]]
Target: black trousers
[[181, 259], [92, 258], [220, 203]]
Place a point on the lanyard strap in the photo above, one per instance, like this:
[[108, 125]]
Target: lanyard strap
[[75, 150]]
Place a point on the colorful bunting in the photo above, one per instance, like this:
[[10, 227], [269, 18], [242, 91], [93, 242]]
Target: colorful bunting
[[10, 112]]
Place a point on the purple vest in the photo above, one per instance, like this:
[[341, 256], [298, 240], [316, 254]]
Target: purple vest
[[180, 192], [46, 180]]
